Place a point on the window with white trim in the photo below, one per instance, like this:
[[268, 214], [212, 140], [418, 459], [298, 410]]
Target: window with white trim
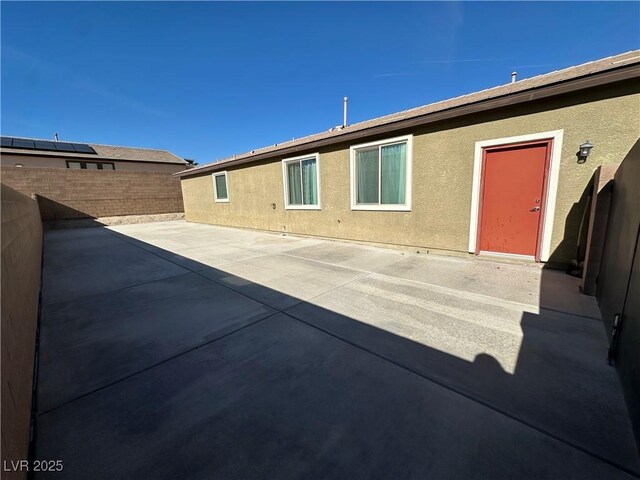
[[220, 187], [301, 182], [381, 175]]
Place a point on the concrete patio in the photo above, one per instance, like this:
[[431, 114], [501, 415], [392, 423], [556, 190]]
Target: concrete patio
[[180, 350]]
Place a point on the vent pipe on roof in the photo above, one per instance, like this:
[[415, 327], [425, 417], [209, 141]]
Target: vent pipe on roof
[[55, 136], [344, 118], [513, 77]]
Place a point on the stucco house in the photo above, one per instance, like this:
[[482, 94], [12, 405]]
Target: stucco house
[[32, 152], [503, 171]]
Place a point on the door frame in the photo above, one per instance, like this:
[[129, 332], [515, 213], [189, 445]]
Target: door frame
[[543, 196], [548, 203]]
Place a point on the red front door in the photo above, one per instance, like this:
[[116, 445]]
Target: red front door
[[512, 198]]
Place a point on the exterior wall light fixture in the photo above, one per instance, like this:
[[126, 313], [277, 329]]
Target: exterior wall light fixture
[[585, 150]]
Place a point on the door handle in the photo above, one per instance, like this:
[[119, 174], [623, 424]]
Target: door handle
[[535, 209]]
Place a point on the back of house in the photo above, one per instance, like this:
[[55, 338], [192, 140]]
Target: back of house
[[504, 171]]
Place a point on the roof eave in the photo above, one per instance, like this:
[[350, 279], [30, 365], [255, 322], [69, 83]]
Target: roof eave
[[40, 153], [621, 73]]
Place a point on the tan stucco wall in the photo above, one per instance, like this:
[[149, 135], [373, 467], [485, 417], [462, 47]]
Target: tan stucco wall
[[9, 160], [442, 177], [21, 234]]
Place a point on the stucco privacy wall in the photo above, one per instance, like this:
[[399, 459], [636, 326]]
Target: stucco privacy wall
[[9, 160], [443, 157], [619, 279], [68, 193], [21, 261]]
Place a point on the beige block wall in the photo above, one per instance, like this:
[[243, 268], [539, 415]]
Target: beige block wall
[[71, 193], [442, 177], [34, 161], [21, 259]]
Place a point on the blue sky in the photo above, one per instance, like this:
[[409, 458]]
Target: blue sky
[[208, 80]]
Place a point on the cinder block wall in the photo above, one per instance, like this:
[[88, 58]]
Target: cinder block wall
[[21, 262], [67, 193]]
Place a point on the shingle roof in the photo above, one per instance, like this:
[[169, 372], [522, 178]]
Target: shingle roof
[[571, 73], [137, 154], [103, 152]]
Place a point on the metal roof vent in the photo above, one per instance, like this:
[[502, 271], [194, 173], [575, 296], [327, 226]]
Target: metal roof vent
[[344, 113]]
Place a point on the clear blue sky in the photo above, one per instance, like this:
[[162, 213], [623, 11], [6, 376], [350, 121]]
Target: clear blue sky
[[207, 80]]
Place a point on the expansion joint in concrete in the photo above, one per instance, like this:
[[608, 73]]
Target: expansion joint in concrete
[[157, 364], [468, 397]]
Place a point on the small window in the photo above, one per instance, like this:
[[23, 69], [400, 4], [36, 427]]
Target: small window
[[220, 191], [381, 175], [301, 182], [91, 165]]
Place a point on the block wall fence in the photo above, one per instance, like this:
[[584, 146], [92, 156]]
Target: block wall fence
[[67, 193]]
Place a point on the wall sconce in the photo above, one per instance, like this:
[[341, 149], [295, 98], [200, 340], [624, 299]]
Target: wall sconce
[[585, 150]]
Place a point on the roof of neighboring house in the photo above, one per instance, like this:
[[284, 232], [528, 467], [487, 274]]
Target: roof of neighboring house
[[49, 148], [599, 72]]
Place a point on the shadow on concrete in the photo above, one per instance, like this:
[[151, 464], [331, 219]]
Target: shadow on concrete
[[51, 210], [204, 374], [57, 216], [573, 245]]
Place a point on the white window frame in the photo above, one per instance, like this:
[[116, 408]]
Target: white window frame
[[285, 181], [552, 185], [406, 207], [215, 189]]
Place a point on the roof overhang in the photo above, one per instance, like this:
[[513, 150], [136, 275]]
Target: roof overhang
[[79, 156], [626, 72]]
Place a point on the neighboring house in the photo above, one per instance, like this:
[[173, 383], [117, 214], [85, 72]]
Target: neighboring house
[[30, 152], [496, 172]]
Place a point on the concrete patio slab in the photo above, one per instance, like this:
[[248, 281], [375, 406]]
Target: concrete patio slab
[[58, 254], [176, 238], [76, 271], [359, 257], [277, 243], [94, 341], [522, 363], [283, 400], [211, 255], [515, 282], [162, 356], [281, 281]]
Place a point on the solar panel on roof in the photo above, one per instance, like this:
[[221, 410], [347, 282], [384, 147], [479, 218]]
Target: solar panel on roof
[[21, 143], [64, 147], [44, 145], [81, 147], [47, 145]]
